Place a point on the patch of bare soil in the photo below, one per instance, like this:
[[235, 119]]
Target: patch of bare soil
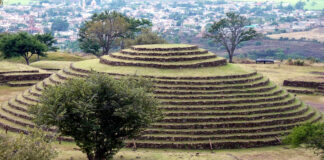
[[319, 106]]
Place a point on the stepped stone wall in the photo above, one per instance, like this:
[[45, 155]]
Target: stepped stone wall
[[240, 110]]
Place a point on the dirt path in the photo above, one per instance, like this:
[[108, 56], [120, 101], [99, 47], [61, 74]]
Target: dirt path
[[319, 106]]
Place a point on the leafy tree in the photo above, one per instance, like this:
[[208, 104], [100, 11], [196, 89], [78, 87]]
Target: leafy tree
[[311, 135], [60, 25], [100, 34], [300, 5], [48, 40], [146, 37], [99, 112], [21, 44], [35, 145], [231, 31]]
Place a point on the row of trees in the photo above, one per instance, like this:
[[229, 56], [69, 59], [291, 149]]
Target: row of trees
[[26, 45], [113, 30]]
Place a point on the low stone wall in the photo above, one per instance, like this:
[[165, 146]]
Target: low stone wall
[[173, 78], [233, 107], [233, 119], [216, 92], [305, 84], [27, 77], [154, 59], [173, 97], [165, 49], [215, 145], [134, 53], [226, 130], [188, 138], [211, 113], [235, 124], [300, 91], [165, 66], [28, 71]]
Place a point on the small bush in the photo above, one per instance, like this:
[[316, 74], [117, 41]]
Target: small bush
[[299, 63], [28, 147], [310, 135]]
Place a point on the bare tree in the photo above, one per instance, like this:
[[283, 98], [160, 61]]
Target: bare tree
[[231, 31]]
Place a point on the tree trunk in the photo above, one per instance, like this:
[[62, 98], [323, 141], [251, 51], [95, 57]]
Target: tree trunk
[[122, 44], [27, 60], [99, 156], [230, 55], [37, 57], [230, 59], [106, 50]]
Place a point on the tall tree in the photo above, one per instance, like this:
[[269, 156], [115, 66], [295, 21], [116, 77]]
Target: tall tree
[[99, 112], [21, 44], [231, 31], [48, 40], [100, 34]]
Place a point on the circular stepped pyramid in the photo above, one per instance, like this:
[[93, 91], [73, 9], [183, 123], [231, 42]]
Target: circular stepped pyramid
[[206, 102]]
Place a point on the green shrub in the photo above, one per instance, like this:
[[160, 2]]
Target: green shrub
[[310, 135], [99, 112], [27, 147]]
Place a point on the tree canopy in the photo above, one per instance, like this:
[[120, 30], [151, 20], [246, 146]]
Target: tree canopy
[[60, 25], [100, 34], [99, 112], [48, 40], [231, 31], [21, 44]]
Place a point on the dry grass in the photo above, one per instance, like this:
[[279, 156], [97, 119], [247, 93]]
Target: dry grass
[[69, 151], [51, 64], [54, 56], [314, 34], [278, 73], [8, 92]]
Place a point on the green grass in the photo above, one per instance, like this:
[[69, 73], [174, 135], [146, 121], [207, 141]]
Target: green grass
[[310, 4], [163, 57], [51, 56], [51, 64], [6, 66], [230, 69], [164, 46], [165, 52], [23, 2], [163, 63]]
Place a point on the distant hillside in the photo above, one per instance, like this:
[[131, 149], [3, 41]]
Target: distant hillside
[[298, 48], [310, 4], [314, 34]]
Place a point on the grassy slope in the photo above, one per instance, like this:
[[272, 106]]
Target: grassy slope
[[279, 74], [67, 151], [210, 71], [51, 64], [52, 56], [319, 4], [314, 34], [19, 1], [9, 66]]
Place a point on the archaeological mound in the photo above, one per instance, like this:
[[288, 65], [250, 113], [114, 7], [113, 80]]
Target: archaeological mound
[[207, 103]]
